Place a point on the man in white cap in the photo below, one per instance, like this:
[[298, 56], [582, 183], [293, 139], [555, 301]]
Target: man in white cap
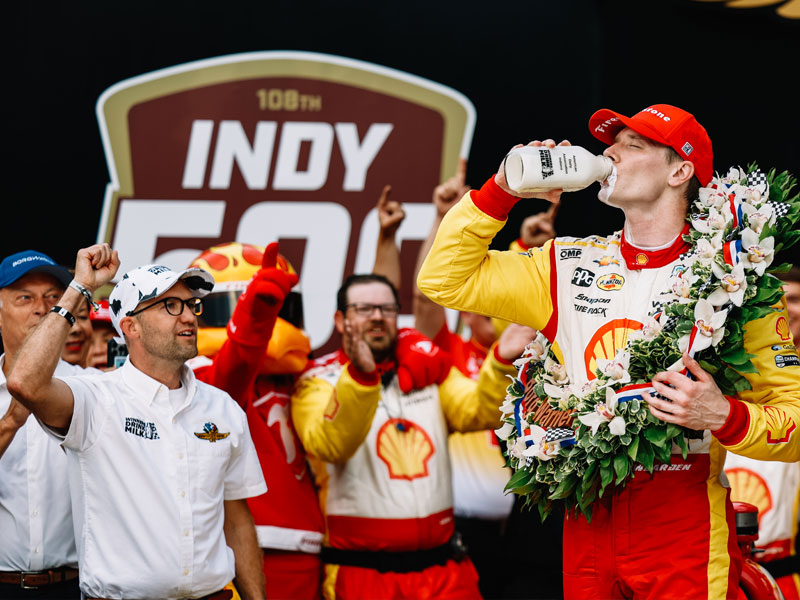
[[38, 558], [159, 464]]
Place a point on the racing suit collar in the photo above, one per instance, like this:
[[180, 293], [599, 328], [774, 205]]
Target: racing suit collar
[[638, 258]]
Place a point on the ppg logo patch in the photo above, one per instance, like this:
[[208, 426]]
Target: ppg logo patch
[[582, 277]]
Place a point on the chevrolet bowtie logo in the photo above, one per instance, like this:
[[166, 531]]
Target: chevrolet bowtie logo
[[211, 433]]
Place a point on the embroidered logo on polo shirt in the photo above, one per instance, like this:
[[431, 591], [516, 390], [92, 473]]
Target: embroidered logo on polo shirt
[[211, 434], [141, 429]]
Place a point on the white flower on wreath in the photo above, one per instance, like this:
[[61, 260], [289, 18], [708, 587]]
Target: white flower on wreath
[[715, 220], [707, 247], [605, 412], [735, 175], [710, 198], [555, 372], [616, 369], [540, 448], [651, 327], [681, 285], [757, 254], [536, 350], [710, 327], [505, 431], [758, 217], [732, 285]]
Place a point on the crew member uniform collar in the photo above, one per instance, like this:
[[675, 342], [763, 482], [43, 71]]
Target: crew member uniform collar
[[639, 258], [149, 389]]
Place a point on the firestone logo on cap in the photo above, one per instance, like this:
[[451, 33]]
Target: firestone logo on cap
[[657, 113], [602, 126]]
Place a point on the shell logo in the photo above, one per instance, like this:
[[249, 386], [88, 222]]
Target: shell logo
[[782, 328], [642, 258], [610, 282], [780, 426], [606, 341], [406, 448], [748, 486]]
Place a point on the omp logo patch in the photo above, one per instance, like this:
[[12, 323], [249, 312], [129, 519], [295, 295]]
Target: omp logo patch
[[570, 253], [610, 282], [780, 426], [582, 277]]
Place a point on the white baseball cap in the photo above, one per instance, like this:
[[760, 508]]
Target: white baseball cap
[[150, 281]]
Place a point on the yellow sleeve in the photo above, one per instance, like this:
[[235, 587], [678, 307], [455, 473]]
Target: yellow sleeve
[[460, 271], [471, 405], [332, 421], [763, 421]]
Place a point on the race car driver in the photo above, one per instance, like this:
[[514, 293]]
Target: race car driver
[[253, 347], [374, 419], [670, 534]]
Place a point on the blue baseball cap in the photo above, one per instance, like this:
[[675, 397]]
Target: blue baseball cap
[[29, 261]]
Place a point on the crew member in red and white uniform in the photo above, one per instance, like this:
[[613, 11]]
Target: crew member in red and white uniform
[[374, 419], [671, 534], [253, 347]]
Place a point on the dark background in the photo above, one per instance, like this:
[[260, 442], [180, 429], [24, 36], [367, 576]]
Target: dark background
[[532, 69]]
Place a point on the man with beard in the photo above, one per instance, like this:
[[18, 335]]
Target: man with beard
[[374, 419], [159, 464]]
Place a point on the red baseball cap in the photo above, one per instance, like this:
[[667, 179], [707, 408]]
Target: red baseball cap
[[102, 314], [666, 125]]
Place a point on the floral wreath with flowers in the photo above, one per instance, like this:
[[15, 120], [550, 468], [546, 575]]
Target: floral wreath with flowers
[[605, 431]]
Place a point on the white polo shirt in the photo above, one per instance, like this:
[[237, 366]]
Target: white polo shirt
[[35, 511], [148, 484]]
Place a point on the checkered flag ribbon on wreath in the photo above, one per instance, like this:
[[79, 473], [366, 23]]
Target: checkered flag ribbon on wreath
[[756, 179], [779, 208], [559, 434]]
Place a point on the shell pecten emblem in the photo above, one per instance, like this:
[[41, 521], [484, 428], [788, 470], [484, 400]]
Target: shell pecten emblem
[[780, 426], [748, 486], [606, 341], [405, 448]]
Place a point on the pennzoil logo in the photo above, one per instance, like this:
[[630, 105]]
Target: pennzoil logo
[[611, 282], [275, 146], [211, 433]]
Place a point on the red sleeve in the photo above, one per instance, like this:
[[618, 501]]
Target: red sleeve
[[493, 200]]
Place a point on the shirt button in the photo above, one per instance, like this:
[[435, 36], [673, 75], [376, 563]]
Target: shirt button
[[186, 532], [174, 420], [180, 455], [183, 494], [35, 513], [36, 550], [186, 571]]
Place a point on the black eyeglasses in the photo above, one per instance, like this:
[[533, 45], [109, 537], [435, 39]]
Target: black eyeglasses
[[365, 310], [175, 306]]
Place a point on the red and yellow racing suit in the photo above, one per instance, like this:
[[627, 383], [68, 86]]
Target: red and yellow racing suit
[[669, 534], [381, 463]]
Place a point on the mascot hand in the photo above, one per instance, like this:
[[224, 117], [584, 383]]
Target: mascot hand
[[420, 362], [258, 307]]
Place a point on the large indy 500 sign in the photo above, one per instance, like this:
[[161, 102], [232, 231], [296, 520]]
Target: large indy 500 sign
[[266, 146]]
